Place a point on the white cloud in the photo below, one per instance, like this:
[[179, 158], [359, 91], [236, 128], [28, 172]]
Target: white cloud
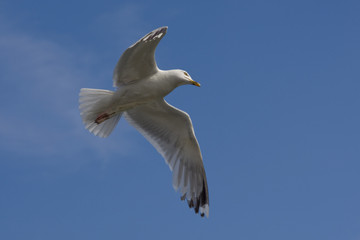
[[40, 81], [121, 26]]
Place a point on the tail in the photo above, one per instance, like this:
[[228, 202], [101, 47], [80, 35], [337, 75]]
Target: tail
[[92, 105]]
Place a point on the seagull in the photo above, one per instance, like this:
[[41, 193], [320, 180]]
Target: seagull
[[139, 96]]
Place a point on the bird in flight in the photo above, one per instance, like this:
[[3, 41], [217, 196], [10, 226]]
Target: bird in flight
[[139, 96]]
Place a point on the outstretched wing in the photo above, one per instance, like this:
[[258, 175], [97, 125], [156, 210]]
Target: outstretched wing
[[138, 61], [171, 132]]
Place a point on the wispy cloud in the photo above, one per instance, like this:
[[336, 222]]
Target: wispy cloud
[[40, 79], [123, 25]]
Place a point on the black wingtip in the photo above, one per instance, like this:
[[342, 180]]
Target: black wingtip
[[201, 202]]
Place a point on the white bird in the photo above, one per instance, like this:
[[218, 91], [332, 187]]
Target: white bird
[[141, 88]]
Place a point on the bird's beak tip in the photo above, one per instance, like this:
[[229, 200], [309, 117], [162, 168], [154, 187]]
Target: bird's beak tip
[[196, 83]]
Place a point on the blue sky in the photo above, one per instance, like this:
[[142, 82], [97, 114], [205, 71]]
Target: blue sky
[[277, 119]]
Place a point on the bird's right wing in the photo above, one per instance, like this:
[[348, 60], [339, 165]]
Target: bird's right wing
[[171, 132], [138, 61]]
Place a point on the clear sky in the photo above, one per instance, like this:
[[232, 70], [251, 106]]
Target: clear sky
[[277, 118]]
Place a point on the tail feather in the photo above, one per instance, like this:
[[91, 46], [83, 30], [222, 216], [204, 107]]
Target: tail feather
[[92, 103]]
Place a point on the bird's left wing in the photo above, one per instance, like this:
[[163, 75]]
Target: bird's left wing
[[171, 132], [138, 61]]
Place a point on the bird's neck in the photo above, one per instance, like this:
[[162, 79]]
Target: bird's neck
[[166, 81]]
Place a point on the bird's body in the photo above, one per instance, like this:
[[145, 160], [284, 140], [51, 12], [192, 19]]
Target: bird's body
[[151, 88], [141, 88]]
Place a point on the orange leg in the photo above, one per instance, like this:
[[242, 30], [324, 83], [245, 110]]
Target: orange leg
[[103, 117]]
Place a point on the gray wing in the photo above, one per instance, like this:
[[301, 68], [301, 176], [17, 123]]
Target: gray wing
[[138, 61], [171, 132]]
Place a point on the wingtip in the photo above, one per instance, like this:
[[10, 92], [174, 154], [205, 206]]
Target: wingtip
[[204, 211], [200, 203], [164, 28]]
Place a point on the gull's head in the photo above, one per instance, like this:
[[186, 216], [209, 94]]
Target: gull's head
[[189, 79], [185, 78]]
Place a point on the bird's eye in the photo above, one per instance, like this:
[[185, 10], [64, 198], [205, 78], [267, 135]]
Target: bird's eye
[[186, 74]]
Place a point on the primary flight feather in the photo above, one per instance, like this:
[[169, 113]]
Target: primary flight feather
[[141, 88]]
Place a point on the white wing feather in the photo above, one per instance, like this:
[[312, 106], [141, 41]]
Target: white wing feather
[[138, 61], [171, 132]]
